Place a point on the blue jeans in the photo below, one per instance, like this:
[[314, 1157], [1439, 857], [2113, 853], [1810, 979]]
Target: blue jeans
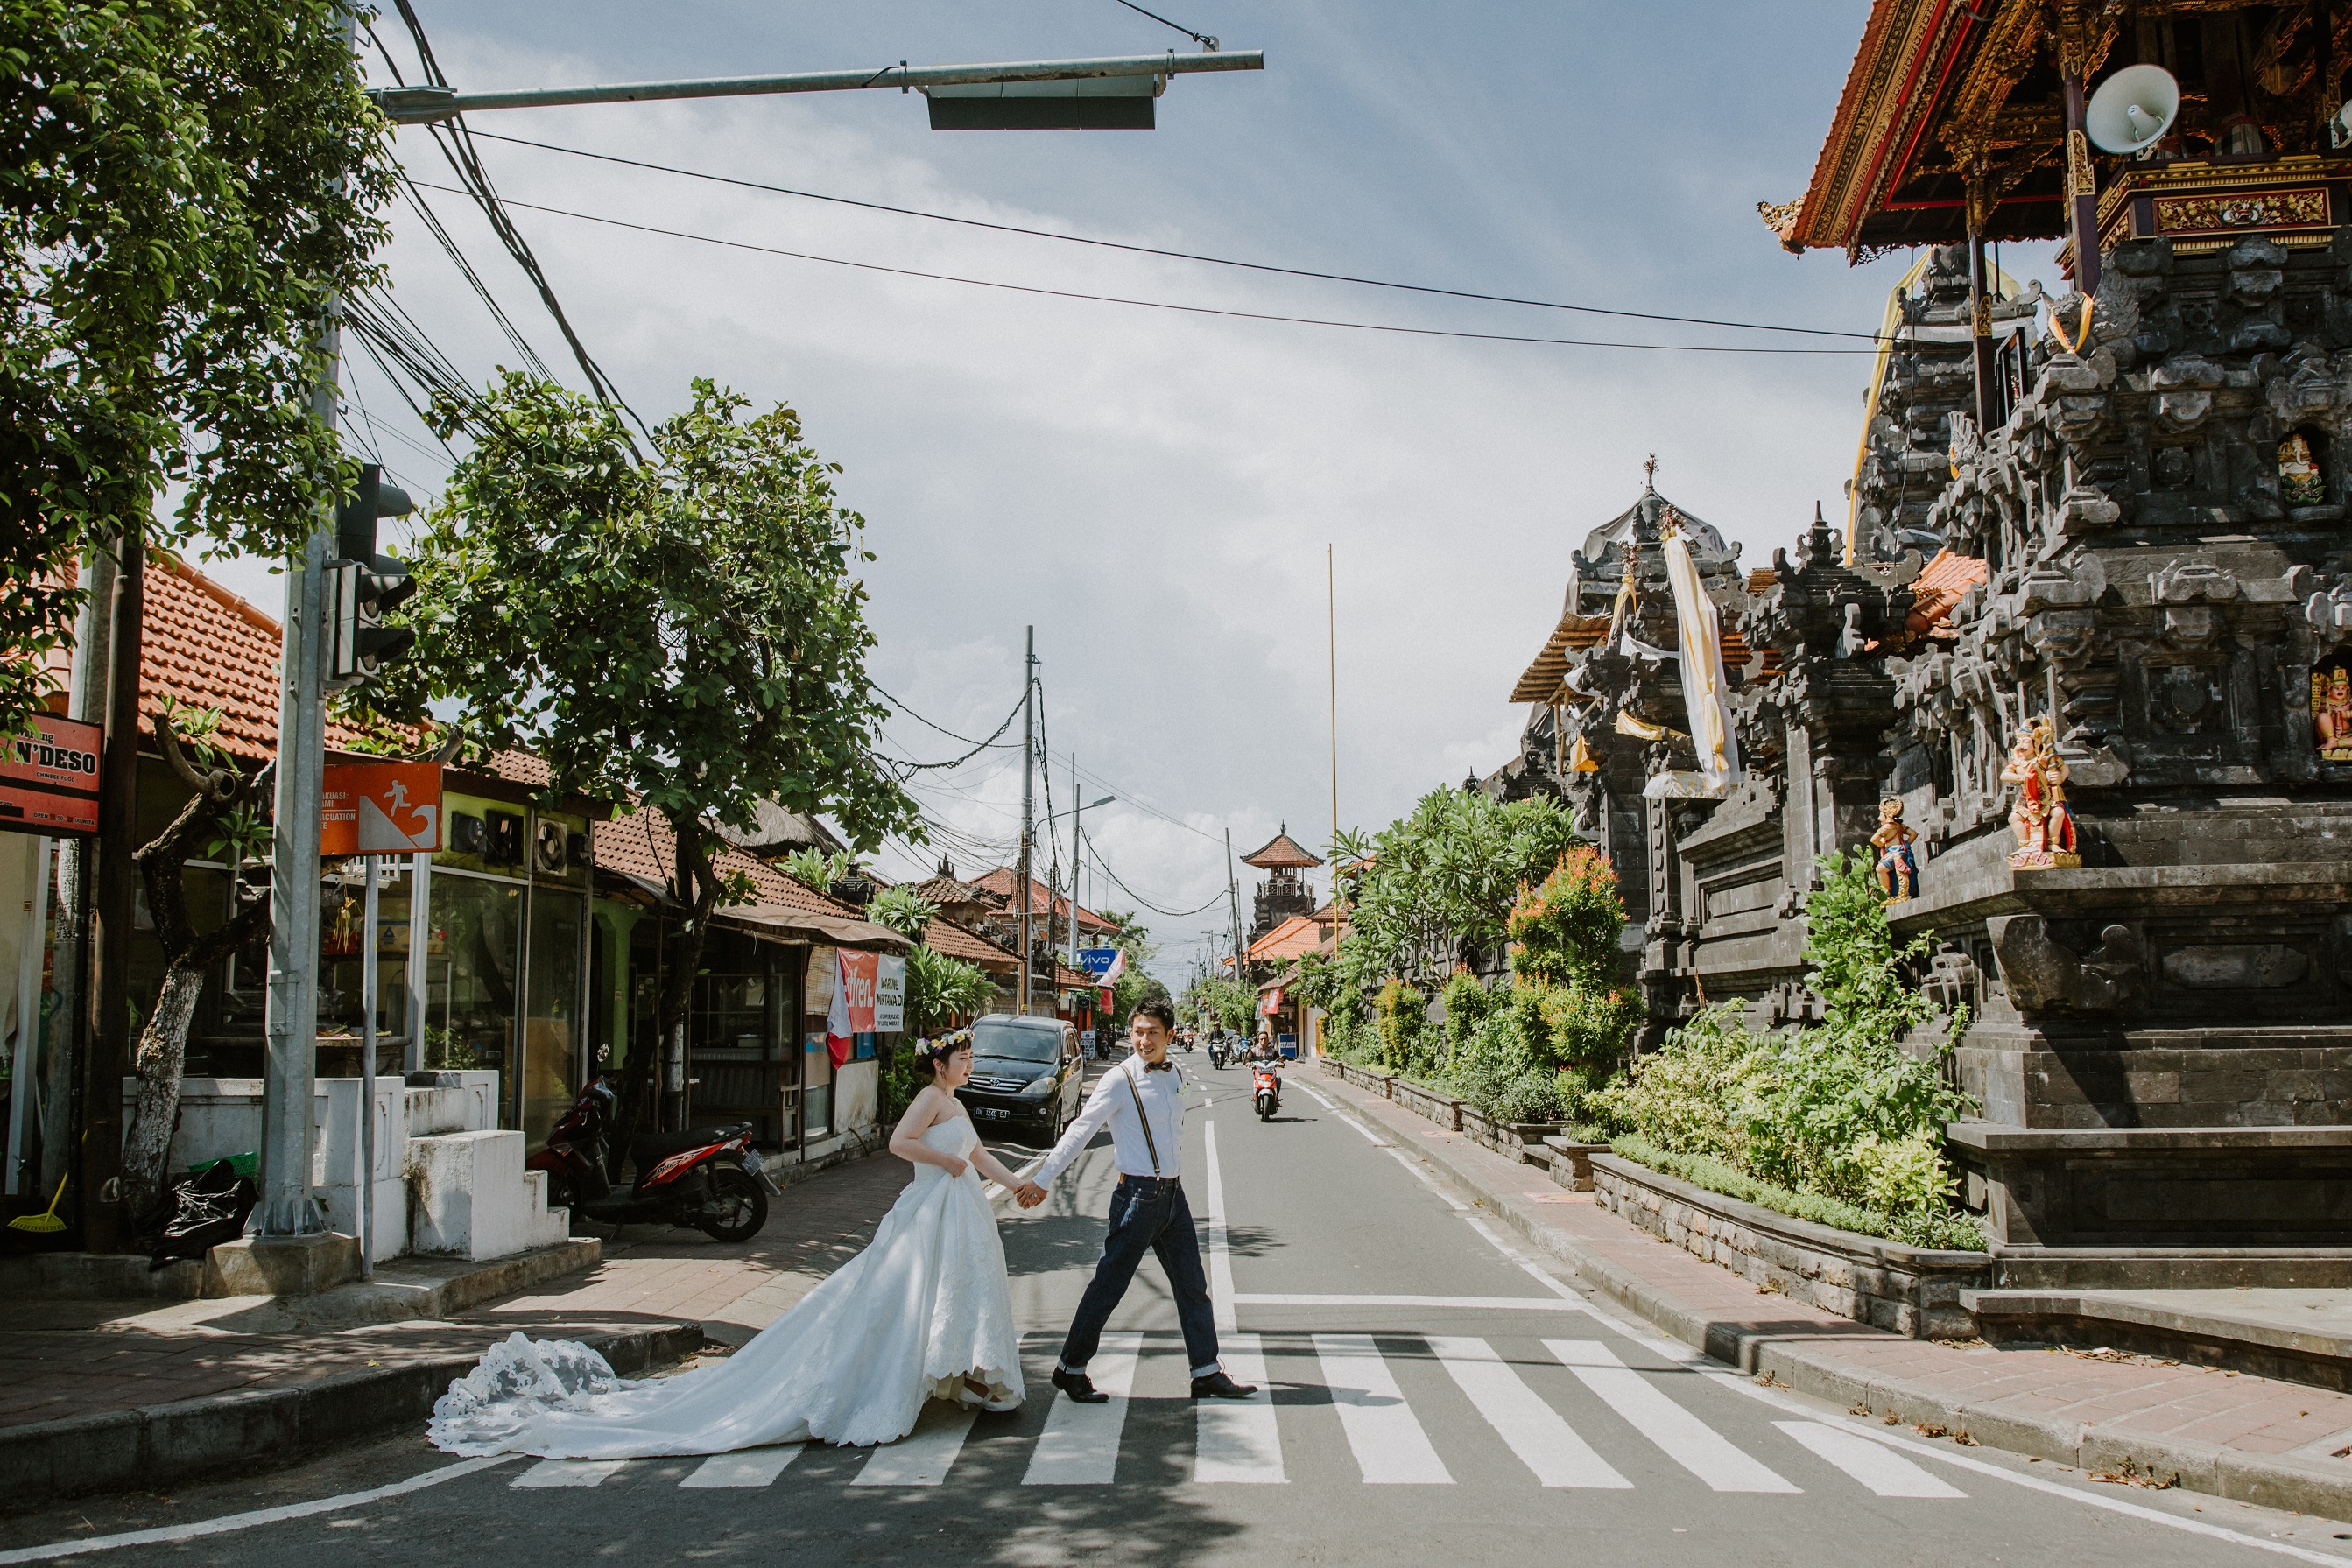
[[1147, 1214]]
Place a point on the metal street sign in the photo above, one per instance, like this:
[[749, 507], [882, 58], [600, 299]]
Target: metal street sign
[[381, 808], [49, 778]]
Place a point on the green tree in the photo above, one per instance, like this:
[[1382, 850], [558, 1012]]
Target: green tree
[[1439, 883], [940, 989], [185, 188], [1229, 1003], [685, 629], [1137, 985], [903, 910]]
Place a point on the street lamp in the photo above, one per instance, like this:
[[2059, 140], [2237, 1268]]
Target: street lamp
[[1113, 92]]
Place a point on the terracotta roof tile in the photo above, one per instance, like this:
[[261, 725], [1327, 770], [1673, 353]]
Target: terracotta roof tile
[[1001, 883], [1282, 851], [1295, 935], [1938, 587], [950, 940]]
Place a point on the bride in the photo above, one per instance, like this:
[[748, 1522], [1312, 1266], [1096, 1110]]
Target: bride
[[922, 1313]]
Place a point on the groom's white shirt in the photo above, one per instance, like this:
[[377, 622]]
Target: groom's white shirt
[[1162, 1095]]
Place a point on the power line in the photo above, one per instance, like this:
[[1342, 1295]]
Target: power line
[[1104, 865], [1156, 304], [1265, 266], [1204, 39]]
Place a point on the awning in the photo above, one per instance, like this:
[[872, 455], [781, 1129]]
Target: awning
[[810, 926]]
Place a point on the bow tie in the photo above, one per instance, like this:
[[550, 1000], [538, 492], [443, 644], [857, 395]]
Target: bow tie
[[1159, 1067]]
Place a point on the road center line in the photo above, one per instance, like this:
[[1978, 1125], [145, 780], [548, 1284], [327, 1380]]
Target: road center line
[[1221, 1260], [1480, 1303], [229, 1523]]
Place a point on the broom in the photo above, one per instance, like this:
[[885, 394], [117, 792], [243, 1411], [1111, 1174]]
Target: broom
[[43, 1224]]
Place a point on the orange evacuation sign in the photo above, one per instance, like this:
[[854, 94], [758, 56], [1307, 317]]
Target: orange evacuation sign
[[381, 808], [49, 778]]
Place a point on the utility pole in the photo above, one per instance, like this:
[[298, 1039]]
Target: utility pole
[[1332, 647], [290, 1063], [1028, 767], [1234, 894], [114, 900], [1077, 810]]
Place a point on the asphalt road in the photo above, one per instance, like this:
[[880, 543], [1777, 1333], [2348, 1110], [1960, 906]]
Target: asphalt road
[[1430, 1395]]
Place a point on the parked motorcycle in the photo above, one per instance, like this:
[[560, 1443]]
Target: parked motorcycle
[[1265, 1088], [709, 1180]]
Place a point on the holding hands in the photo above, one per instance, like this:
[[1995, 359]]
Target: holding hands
[[1029, 1194]]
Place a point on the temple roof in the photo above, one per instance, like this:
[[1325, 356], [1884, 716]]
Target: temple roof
[[1282, 851], [1936, 88]]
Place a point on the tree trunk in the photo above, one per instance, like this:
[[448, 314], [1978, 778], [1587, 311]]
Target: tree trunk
[[698, 888], [163, 1051]]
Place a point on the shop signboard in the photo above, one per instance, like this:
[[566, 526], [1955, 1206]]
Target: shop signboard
[[1270, 1004], [1104, 965], [49, 778], [889, 993], [381, 808], [852, 1013]]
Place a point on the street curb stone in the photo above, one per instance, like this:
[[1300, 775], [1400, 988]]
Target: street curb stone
[[162, 1444], [2285, 1482]]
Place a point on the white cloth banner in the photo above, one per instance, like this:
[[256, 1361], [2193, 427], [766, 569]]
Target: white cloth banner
[[890, 994], [1706, 692]]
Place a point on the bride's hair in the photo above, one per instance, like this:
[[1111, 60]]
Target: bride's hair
[[930, 1054]]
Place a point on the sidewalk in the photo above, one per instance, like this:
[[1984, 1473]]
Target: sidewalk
[[96, 1394], [2113, 1414]]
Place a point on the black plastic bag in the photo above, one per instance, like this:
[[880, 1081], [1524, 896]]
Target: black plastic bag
[[207, 1209]]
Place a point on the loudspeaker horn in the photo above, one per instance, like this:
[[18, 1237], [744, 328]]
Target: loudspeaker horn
[[2132, 110]]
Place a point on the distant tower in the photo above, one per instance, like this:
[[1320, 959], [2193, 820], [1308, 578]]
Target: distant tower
[[1284, 891]]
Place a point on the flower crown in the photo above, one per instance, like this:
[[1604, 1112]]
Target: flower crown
[[928, 1051]]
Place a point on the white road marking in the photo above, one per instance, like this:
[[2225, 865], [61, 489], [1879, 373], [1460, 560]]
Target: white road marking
[[1220, 1261], [1880, 1469], [1544, 1442], [1481, 1303], [1522, 1260], [921, 1458], [1687, 1441], [1390, 1448], [1080, 1446], [1333, 1107], [1674, 1351], [568, 1473], [1423, 1177], [751, 1467], [1236, 1440], [229, 1523]]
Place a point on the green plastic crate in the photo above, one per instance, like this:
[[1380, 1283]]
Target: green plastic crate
[[242, 1164]]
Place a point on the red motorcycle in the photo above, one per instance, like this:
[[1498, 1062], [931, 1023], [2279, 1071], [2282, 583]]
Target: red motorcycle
[[1265, 1087], [709, 1179]]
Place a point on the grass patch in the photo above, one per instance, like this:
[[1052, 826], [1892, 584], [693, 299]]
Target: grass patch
[[1947, 1228]]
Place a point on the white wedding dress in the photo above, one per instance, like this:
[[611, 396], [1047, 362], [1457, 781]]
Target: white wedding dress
[[908, 1319]]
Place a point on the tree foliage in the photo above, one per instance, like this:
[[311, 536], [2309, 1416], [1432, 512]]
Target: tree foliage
[[685, 629], [1437, 885], [903, 910], [184, 189]]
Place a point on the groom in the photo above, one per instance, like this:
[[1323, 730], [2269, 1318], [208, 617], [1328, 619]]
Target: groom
[[1142, 1099]]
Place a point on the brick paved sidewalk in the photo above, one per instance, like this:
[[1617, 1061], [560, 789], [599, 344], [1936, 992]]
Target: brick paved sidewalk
[[2234, 1435], [73, 1358]]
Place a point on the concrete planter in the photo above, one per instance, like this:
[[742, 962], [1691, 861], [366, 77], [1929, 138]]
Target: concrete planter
[[1911, 1290], [1369, 1079], [1572, 1161], [1443, 1109], [1522, 1141]]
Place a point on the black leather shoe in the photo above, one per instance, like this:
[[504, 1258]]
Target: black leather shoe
[[1081, 1389], [1217, 1385]]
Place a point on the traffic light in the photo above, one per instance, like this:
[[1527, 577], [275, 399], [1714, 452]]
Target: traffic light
[[362, 586]]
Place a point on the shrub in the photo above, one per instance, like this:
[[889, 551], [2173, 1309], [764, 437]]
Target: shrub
[[1400, 1014], [1565, 931], [1939, 1228], [1500, 1071]]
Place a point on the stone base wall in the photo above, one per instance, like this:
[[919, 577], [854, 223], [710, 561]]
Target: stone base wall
[[1906, 1290], [2258, 1078]]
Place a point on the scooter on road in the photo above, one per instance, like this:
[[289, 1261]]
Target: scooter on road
[[709, 1180], [1265, 1088]]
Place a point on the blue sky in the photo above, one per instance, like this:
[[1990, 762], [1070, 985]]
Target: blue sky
[[1154, 491]]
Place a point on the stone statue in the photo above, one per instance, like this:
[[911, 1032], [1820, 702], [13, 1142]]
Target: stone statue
[[2331, 712], [2043, 822], [1898, 865], [2300, 481]]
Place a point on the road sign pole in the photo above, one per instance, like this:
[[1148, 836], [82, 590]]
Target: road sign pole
[[367, 1076]]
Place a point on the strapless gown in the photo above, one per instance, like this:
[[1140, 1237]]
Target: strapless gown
[[907, 1320]]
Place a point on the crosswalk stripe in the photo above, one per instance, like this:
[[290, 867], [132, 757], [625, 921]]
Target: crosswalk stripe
[[750, 1468], [918, 1459], [1390, 1448], [1874, 1465], [1544, 1442], [1687, 1441], [567, 1473], [1237, 1439], [1080, 1443]]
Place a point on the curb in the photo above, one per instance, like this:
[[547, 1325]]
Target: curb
[[2284, 1481], [158, 1444]]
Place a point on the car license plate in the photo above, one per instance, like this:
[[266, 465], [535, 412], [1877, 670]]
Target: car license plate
[[990, 1113]]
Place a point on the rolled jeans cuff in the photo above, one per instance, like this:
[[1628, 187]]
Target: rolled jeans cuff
[[1210, 1370]]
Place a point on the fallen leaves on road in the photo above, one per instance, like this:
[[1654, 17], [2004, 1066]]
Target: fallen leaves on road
[[2129, 1474]]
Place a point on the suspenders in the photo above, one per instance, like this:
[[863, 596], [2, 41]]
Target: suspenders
[[1143, 1116]]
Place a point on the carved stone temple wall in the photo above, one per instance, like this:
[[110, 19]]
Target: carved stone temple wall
[[2152, 551]]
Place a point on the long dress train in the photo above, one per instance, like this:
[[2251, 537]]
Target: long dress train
[[925, 1305]]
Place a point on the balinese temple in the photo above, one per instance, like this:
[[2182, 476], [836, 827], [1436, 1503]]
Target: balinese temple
[[2076, 655], [1284, 891]]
